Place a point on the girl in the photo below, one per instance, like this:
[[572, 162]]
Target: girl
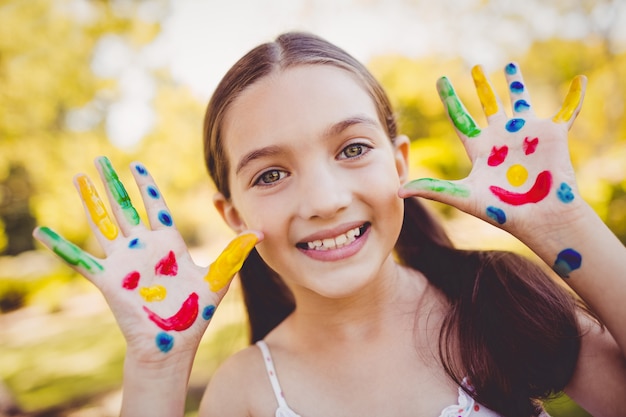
[[359, 304]]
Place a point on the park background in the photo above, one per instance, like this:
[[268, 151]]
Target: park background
[[130, 79]]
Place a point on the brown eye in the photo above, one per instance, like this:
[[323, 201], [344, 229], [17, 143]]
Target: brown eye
[[353, 151], [270, 177]]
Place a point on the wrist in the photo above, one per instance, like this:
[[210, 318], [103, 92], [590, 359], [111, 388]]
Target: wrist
[[156, 387]]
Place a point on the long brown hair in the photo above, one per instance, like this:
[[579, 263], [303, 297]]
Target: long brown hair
[[510, 329]]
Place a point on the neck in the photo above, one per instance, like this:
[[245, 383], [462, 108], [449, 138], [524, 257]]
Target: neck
[[390, 300]]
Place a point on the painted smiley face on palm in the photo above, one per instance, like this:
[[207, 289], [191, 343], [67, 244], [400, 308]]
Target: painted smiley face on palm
[[186, 315]]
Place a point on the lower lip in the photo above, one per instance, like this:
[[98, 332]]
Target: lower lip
[[338, 254]]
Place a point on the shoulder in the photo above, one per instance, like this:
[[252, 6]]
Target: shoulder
[[240, 384]]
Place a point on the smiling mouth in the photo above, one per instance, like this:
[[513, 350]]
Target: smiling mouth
[[336, 242], [180, 321], [539, 191]]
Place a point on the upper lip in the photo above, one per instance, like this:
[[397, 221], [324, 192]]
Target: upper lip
[[332, 232]]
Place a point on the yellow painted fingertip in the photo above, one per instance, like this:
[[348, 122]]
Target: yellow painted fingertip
[[571, 102], [485, 92], [96, 208], [230, 261], [154, 293]]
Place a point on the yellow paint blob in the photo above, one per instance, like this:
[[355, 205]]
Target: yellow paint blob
[[230, 261], [517, 175], [572, 101], [96, 208], [154, 293], [484, 91]]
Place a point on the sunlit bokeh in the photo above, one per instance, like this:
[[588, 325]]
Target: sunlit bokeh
[[130, 79]]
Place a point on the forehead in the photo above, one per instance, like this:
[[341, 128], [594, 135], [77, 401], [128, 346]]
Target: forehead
[[299, 101]]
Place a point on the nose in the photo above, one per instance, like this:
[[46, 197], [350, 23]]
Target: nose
[[517, 175], [153, 293], [323, 194]]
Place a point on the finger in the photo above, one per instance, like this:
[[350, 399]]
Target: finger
[[573, 101], [78, 259], [520, 98], [101, 223], [123, 210], [453, 193], [230, 261], [159, 215], [463, 122], [488, 99]]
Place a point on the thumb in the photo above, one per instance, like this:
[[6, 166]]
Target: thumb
[[447, 192], [230, 261]]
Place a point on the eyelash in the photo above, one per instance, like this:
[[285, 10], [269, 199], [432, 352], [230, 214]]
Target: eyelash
[[363, 148], [259, 180]]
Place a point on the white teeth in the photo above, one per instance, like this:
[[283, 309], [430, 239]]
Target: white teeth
[[336, 242]]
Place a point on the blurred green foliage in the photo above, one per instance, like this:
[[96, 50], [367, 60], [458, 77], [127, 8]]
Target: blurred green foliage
[[47, 77]]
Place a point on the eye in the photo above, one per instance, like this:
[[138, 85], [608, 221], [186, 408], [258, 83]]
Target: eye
[[270, 177], [530, 145], [354, 150]]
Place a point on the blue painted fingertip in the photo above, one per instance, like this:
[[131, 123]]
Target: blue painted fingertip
[[511, 69], [141, 170]]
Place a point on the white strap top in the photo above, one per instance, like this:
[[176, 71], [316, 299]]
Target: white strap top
[[466, 406]]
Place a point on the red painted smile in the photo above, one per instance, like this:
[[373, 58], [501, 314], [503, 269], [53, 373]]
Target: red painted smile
[[182, 320], [538, 192]]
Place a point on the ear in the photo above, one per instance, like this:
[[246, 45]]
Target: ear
[[229, 213], [401, 154]]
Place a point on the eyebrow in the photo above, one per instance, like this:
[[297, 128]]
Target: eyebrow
[[256, 154], [332, 130]]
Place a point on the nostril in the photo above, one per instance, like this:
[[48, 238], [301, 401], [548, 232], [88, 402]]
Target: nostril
[[517, 175]]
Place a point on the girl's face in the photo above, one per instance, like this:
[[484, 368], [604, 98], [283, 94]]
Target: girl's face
[[312, 168]]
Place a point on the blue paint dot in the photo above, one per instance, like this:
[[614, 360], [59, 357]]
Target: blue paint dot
[[164, 342], [517, 87], [165, 218], [153, 192], [511, 69], [135, 244], [521, 105], [565, 194], [141, 169], [208, 312], [567, 261], [496, 214], [515, 125]]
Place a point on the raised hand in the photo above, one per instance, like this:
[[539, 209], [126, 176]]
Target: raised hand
[[161, 299], [521, 165], [522, 177]]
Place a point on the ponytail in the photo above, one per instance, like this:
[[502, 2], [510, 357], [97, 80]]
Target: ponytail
[[511, 330]]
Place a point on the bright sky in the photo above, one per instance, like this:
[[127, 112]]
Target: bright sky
[[201, 39]]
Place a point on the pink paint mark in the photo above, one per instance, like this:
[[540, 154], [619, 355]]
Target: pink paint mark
[[131, 280], [497, 156], [530, 146], [539, 191], [167, 265], [180, 321]]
